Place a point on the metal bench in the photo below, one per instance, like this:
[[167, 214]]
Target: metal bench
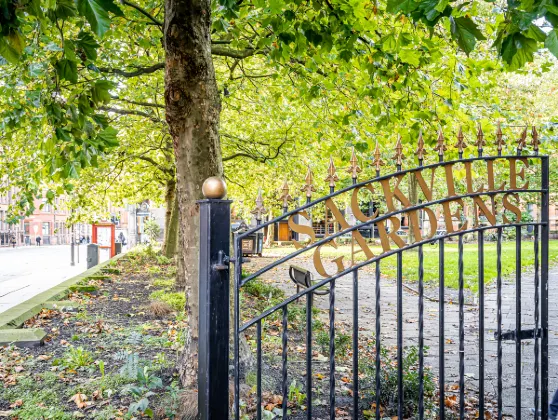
[[302, 277]]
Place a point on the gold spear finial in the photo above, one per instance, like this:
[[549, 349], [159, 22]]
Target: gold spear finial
[[260, 210], [285, 196], [521, 141], [378, 162], [309, 183], [480, 143], [460, 145], [499, 138], [420, 149], [332, 177], [399, 156], [440, 145], [535, 142], [354, 169]]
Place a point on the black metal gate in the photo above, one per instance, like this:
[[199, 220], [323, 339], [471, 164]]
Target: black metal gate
[[494, 187]]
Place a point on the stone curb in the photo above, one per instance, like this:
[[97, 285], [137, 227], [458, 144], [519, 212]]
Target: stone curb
[[16, 316]]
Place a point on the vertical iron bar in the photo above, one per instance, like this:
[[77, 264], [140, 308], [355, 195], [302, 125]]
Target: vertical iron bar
[[461, 332], [259, 368], [284, 367], [544, 286], [332, 350], [400, 335], [421, 331], [214, 294], [441, 343], [309, 299], [378, 334], [481, 323], [355, 343], [499, 317], [536, 384], [237, 279], [518, 322]]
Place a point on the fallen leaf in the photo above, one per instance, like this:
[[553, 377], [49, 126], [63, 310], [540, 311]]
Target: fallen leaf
[[44, 357], [80, 400], [17, 404]]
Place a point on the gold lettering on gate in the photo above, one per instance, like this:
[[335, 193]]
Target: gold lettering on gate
[[521, 174], [394, 193], [302, 229]]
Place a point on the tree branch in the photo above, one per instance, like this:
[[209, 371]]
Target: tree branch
[[138, 72], [228, 52], [130, 112], [261, 159], [149, 104], [143, 12]]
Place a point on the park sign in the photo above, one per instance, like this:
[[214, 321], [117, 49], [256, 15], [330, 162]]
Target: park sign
[[494, 188], [449, 200]]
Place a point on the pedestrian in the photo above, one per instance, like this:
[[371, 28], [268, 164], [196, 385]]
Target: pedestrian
[[38, 239], [552, 408], [88, 239], [14, 241]]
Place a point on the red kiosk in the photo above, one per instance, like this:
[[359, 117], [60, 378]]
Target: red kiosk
[[104, 236]]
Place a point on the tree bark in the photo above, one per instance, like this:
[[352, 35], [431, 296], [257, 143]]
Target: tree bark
[[192, 111], [171, 240], [170, 235]]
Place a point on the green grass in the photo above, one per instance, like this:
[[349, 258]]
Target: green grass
[[431, 256], [174, 299]]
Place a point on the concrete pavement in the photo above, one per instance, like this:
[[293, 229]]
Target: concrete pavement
[[28, 271]]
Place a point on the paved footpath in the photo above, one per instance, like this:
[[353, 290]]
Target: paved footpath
[[367, 298], [28, 271]]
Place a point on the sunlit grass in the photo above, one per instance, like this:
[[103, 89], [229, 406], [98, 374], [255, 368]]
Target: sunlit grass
[[451, 255]]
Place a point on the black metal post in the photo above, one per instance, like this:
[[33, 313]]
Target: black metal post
[[213, 370], [544, 286]]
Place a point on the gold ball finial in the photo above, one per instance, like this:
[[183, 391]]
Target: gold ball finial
[[214, 187]]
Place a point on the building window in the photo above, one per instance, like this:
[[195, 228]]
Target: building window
[[26, 228], [46, 228]]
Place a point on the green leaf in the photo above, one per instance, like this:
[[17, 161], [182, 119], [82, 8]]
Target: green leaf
[[465, 32], [100, 92], [534, 32], [67, 70], [16, 41], [517, 50], [410, 56], [7, 51], [108, 136], [110, 6], [403, 6], [552, 42], [64, 10], [70, 50], [96, 15], [62, 134]]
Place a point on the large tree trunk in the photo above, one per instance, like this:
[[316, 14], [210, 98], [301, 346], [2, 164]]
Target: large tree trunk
[[192, 111], [170, 199], [171, 234]]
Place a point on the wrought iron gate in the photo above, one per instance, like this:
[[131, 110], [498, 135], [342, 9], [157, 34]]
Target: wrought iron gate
[[481, 181]]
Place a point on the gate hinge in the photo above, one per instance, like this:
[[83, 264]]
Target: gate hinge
[[524, 334], [222, 262]]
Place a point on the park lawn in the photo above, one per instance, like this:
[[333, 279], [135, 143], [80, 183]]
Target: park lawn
[[451, 255]]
